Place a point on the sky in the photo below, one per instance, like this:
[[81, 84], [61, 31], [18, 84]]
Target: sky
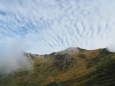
[[45, 26]]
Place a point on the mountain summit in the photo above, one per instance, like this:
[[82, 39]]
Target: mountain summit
[[71, 67]]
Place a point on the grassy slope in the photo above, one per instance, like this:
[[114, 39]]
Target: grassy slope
[[84, 68]]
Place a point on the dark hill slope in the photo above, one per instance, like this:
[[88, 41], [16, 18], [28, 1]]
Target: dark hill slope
[[73, 68]]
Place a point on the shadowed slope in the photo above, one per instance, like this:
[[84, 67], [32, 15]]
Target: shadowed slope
[[78, 68]]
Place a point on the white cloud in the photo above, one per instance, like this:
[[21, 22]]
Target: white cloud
[[12, 58], [47, 26]]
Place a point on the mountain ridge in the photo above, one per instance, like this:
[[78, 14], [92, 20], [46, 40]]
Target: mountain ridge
[[78, 68]]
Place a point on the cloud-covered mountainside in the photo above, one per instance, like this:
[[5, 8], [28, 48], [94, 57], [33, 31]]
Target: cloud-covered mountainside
[[14, 59], [69, 68], [45, 26]]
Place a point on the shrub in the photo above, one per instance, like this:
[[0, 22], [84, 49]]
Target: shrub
[[82, 56]]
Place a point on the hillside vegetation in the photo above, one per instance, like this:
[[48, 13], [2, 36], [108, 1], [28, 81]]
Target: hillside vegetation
[[77, 68]]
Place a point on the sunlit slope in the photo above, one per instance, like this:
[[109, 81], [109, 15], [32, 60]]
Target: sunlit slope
[[78, 68]]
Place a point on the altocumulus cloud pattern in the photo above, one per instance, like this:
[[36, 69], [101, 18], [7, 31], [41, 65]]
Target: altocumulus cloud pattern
[[45, 26]]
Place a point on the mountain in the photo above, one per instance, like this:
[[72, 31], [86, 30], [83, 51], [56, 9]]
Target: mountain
[[71, 67], [69, 50]]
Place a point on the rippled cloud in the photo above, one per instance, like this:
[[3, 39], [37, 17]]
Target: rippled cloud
[[52, 25]]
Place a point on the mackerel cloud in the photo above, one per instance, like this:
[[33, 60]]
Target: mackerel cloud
[[46, 26]]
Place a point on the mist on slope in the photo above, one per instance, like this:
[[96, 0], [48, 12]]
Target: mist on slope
[[13, 59]]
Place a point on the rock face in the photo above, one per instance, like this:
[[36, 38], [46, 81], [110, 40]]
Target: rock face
[[53, 54], [63, 61]]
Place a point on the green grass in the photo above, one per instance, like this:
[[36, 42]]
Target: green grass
[[65, 70]]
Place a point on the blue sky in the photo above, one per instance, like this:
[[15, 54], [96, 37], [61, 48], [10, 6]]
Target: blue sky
[[45, 26]]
